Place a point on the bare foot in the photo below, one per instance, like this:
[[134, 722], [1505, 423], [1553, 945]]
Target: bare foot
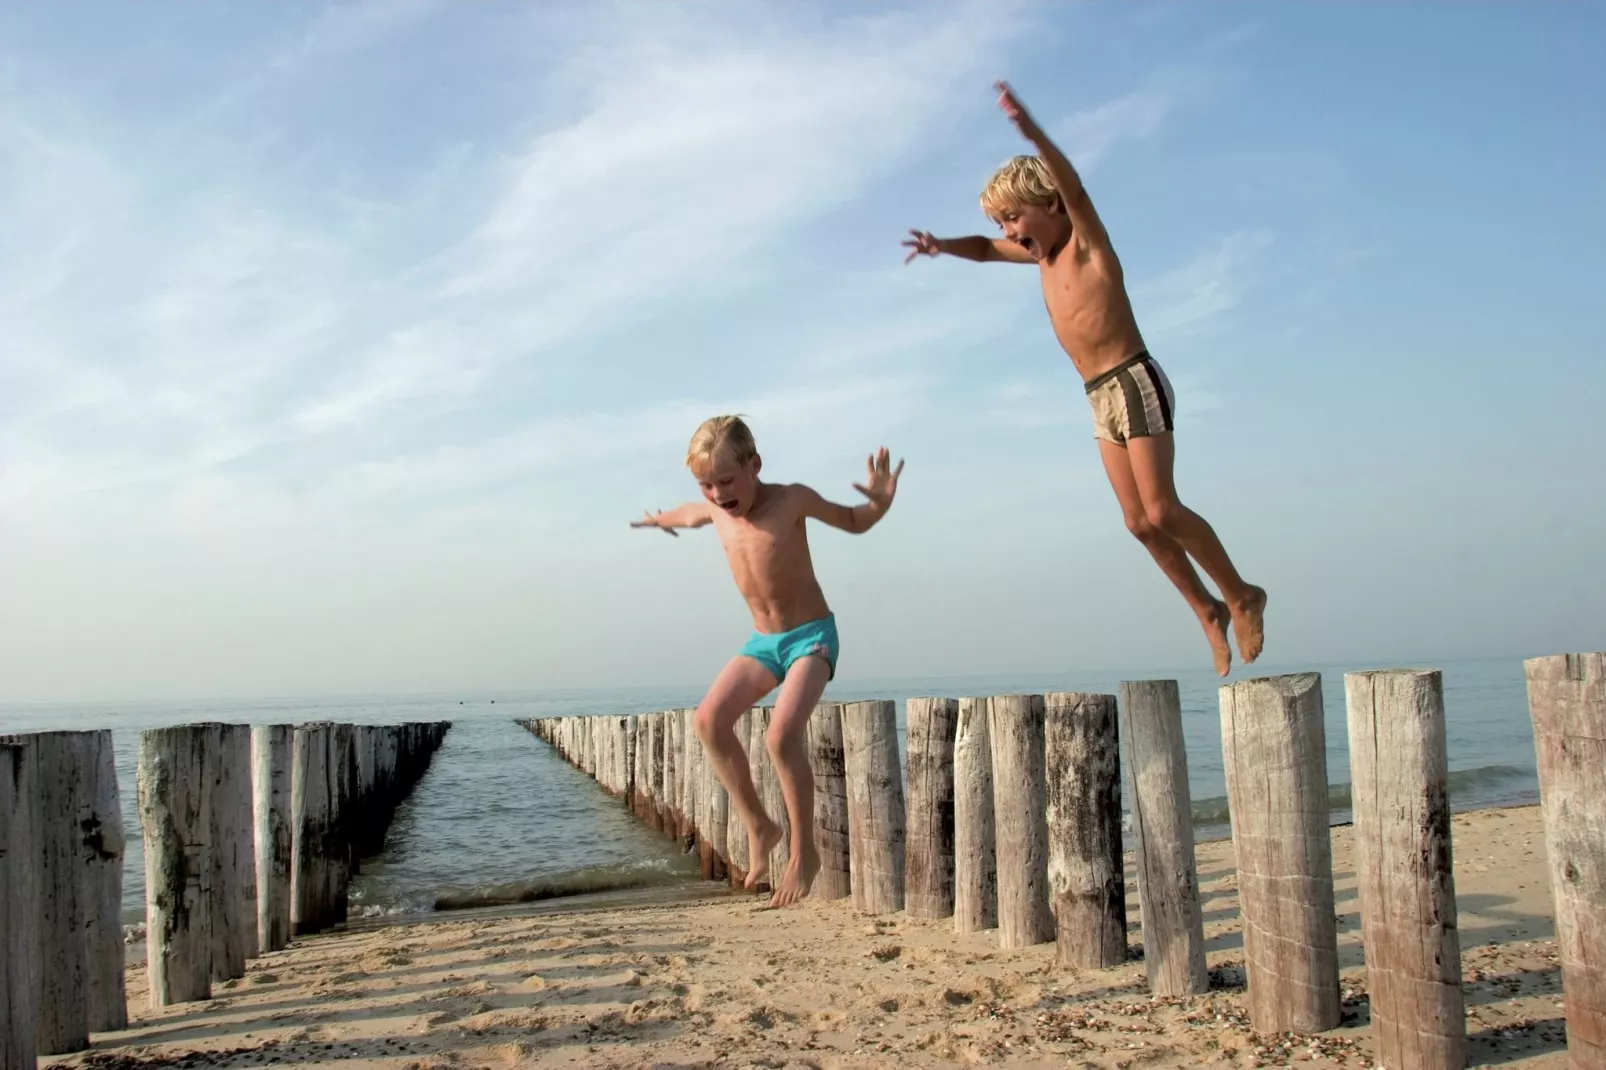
[[760, 842], [1215, 622], [798, 879], [1248, 621]]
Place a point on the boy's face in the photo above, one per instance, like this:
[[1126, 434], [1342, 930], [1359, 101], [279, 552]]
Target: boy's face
[[1038, 229], [730, 485]]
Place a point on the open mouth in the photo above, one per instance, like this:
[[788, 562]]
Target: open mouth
[[1027, 244], [728, 506]]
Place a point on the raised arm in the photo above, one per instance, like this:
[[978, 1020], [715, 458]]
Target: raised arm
[[690, 515], [1084, 220], [856, 519], [975, 247]]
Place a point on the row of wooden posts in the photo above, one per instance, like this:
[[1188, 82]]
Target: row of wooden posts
[[251, 834], [1008, 816]]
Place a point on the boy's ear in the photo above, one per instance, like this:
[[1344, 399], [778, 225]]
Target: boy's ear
[[755, 464]]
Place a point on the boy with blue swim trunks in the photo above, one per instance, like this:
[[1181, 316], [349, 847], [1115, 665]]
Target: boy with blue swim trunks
[[794, 643]]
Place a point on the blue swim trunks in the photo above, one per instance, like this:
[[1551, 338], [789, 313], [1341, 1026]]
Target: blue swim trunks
[[777, 652]]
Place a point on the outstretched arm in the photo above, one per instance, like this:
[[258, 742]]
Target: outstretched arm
[[972, 248], [857, 519], [690, 515], [1078, 204]]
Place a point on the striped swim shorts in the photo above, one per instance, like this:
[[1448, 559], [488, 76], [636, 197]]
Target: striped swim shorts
[[1131, 400]]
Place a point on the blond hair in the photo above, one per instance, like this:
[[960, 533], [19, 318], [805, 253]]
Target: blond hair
[[1021, 181], [720, 437]]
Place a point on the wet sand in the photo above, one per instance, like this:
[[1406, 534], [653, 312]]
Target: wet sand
[[722, 983]]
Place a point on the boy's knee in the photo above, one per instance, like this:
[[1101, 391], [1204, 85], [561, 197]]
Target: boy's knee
[[1137, 522], [777, 740], [702, 722], [1162, 514]]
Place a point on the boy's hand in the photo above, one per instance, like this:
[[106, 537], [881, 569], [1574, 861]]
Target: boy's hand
[[923, 244], [651, 521], [883, 480], [1017, 112]]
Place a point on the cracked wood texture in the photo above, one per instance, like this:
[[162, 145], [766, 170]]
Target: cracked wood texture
[[1162, 831], [19, 898], [175, 813], [670, 731], [1403, 868], [234, 899], [876, 828], [736, 847], [270, 813], [102, 857], [1087, 885], [309, 824], [1567, 702], [929, 861], [1020, 819], [655, 768], [1276, 764], [975, 863], [717, 808], [827, 761]]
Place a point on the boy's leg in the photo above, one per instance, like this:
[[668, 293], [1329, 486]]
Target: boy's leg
[[736, 690], [1173, 560], [788, 745], [1152, 459]]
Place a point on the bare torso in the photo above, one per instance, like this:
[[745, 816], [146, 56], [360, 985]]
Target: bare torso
[[768, 551], [1089, 308]]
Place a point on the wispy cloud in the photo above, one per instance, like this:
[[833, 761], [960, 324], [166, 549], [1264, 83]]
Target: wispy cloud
[[1088, 136], [264, 321], [1194, 297]]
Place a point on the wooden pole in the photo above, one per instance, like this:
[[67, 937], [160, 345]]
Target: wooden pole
[[688, 746], [309, 828], [175, 812], [234, 916], [1276, 764], [929, 876], [718, 822], [1082, 759], [62, 775], [102, 861], [769, 790], [1020, 816], [736, 846], [876, 821], [1162, 826], [19, 899], [975, 860], [655, 768], [1403, 866], [270, 806], [1567, 703], [828, 763]]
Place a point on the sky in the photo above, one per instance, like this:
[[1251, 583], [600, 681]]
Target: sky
[[339, 343]]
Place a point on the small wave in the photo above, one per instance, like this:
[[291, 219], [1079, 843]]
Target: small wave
[[588, 881], [1486, 784]]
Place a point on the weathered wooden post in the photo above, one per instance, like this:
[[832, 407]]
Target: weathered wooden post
[[61, 764], [828, 763], [929, 859], [674, 755], [234, 917], [19, 899], [736, 846], [102, 861], [975, 862], [718, 823], [270, 812], [1399, 793], [1162, 824], [309, 828], [640, 787], [655, 769], [876, 821], [175, 811], [688, 745], [769, 790], [1082, 756], [1276, 764], [1020, 819], [1567, 703]]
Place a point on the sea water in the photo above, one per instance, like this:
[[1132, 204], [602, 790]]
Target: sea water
[[499, 817]]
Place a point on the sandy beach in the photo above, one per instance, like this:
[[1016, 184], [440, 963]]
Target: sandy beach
[[723, 983]]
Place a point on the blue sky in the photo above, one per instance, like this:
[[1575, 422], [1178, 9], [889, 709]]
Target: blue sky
[[340, 343]]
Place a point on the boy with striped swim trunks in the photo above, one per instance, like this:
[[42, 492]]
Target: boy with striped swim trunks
[[1048, 220], [762, 527]]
